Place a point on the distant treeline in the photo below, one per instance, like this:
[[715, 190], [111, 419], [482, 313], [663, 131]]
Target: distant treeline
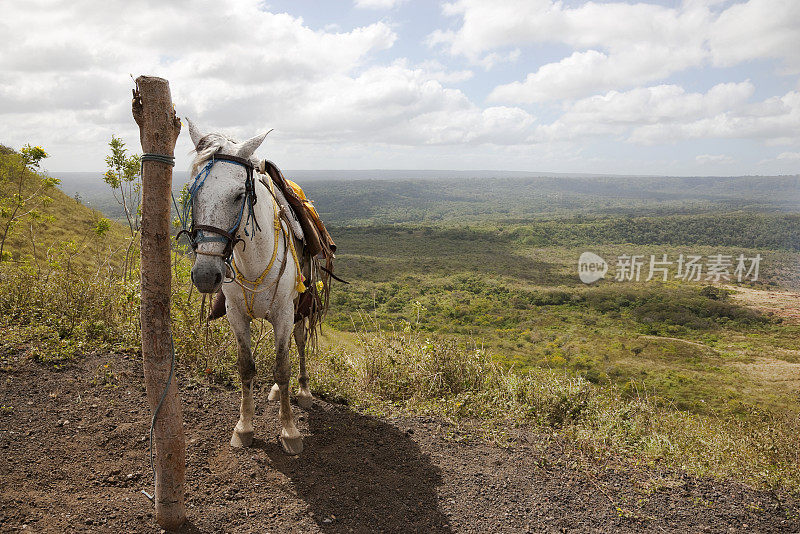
[[739, 229], [774, 231], [478, 198], [368, 202]]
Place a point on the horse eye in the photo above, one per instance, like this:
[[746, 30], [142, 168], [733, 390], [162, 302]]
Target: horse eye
[[239, 197]]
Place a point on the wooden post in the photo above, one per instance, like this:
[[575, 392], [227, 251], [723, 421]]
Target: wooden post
[[158, 131]]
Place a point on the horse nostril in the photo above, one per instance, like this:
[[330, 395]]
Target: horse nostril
[[217, 278]]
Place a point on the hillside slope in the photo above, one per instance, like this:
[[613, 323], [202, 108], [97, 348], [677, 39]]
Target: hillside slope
[[358, 473], [65, 225]]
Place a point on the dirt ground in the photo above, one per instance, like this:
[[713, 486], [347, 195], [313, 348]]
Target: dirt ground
[[784, 304], [73, 458]]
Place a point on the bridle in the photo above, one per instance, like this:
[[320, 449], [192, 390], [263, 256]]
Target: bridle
[[206, 233]]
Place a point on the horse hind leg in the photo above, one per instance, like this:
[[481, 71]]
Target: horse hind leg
[[243, 431], [275, 390], [304, 396], [290, 438]]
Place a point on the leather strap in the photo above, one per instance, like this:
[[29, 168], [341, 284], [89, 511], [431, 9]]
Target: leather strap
[[235, 159]]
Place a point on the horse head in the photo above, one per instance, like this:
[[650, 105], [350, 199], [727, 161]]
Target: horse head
[[220, 202]]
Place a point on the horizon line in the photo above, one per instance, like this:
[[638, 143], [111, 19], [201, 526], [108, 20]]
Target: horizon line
[[539, 174]]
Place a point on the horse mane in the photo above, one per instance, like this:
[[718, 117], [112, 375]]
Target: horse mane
[[209, 145]]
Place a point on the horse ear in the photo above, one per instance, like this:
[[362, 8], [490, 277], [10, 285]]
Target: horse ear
[[247, 148], [194, 132]]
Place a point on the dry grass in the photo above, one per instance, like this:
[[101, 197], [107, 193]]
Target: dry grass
[[61, 314], [65, 224], [404, 371], [784, 304], [69, 298]]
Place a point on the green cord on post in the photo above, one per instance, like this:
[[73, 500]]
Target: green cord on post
[[155, 413], [161, 158], [167, 160]]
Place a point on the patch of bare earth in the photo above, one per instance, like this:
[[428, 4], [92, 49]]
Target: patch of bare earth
[[785, 304], [73, 458], [772, 371]]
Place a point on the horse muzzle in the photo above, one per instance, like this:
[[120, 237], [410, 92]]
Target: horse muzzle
[[207, 275]]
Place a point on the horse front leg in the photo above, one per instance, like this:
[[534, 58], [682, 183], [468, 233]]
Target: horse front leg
[[243, 432], [290, 438], [304, 396]]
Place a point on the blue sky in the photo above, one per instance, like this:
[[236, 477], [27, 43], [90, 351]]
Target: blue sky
[[684, 87]]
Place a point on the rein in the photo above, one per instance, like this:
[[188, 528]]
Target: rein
[[240, 280]]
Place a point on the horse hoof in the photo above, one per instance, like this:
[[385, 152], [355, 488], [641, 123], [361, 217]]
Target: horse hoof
[[274, 393], [292, 446], [304, 400], [241, 439]]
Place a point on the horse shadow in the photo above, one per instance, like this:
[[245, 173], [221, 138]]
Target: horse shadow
[[360, 474]]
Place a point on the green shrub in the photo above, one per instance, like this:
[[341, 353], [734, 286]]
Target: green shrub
[[390, 371], [58, 313]]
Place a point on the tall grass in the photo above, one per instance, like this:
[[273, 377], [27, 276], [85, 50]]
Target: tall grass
[[62, 309], [60, 313], [407, 372]]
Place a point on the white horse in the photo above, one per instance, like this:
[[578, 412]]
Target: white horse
[[237, 223]]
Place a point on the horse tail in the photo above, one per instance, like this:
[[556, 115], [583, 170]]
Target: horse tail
[[314, 304]]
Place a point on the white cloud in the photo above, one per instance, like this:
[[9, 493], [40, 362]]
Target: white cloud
[[774, 120], [490, 60], [792, 156], [235, 67], [706, 159], [757, 29], [377, 4], [588, 72], [659, 104], [620, 45], [401, 105], [334, 97], [666, 114], [208, 53], [489, 26], [434, 70]]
